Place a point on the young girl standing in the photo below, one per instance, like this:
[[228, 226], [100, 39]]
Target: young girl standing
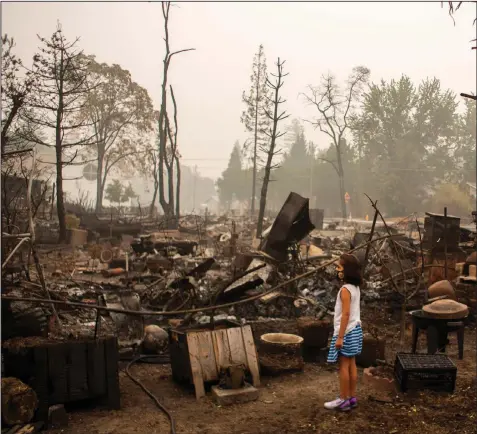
[[347, 339]]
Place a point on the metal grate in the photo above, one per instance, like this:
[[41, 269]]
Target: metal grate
[[425, 361]]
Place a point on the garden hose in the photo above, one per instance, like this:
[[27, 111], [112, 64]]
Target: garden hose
[[148, 392]]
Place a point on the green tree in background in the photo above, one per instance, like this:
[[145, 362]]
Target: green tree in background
[[406, 137], [457, 201], [294, 173], [114, 192], [128, 193], [232, 182], [465, 154], [119, 111]]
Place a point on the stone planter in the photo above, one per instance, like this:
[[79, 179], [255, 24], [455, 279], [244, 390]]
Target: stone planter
[[315, 333], [280, 352], [381, 386], [373, 349]]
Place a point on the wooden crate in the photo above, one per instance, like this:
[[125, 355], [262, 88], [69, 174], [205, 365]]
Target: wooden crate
[[198, 355], [63, 372]]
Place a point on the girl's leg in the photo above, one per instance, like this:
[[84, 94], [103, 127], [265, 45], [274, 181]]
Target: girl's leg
[[344, 377], [353, 376]]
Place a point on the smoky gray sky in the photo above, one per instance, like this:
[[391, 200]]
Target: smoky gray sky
[[417, 39]]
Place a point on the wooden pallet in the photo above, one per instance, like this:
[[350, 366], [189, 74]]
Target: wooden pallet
[[212, 351]]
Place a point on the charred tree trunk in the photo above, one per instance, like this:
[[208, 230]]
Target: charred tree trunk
[[19, 401], [342, 193], [60, 204], [168, 207], [255, 141], [254, 178], [264, 190], [170, 187], [178, 188], [162, 114], [99, 184], [340, 171], [52, 201], [154, 196], [13, 112]]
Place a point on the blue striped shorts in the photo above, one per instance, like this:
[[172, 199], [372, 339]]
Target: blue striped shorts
[[352, 345]]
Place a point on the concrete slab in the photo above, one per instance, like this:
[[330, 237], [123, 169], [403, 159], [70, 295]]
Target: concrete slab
[[234, 396]]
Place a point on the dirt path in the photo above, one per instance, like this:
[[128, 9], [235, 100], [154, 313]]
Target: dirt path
[[288, 404]]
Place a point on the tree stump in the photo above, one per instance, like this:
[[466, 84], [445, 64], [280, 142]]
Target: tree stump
[[373, 350], [19, 401], [281, 352], [315, 333]]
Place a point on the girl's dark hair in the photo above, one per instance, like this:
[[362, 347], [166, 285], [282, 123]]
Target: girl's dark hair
[[351, 269]]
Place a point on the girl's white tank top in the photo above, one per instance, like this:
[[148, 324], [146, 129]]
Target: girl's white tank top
[[355, 312]]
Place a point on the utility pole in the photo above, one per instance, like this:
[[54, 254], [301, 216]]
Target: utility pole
[[193, 187], [312, 202], [312, 163]]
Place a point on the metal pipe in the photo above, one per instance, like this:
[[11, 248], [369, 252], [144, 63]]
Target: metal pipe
[[14, 250], [445, 243], [10, 236]]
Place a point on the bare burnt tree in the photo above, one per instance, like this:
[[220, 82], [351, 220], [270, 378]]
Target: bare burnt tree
[[62, 83], [166, 161], [152, 161], [172, 160], [176, 156], [271, 150], [254, 117], [335, 108], [14, 93], [454, 7]]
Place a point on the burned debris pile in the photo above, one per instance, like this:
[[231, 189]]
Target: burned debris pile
[[217, 261], [153, 283]]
